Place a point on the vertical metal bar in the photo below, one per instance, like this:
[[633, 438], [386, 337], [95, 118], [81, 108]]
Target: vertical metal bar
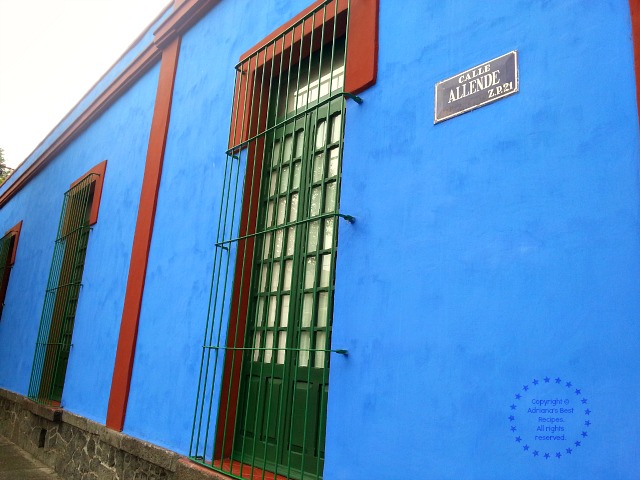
[[205, 351], [244, 250], [241, 102], [222, 226], [243, 124], [256, 158]]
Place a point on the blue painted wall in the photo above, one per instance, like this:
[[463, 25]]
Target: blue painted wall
[[120, 136], [174, 306], [490, 250], [494, 249]]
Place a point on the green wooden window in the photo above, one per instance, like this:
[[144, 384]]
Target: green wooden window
[[264, 380], [53, 345]]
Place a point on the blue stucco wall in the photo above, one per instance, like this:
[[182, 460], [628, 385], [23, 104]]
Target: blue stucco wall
[[174, 307], [490, 250], [120, 136], [493, 249]]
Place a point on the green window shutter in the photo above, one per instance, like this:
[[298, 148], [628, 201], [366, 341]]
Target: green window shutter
[[263, 388], [61, 297]]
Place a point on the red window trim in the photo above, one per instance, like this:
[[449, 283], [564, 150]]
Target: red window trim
[[362, 55], [635, 33], [11, 259], [15, 230], [98, 171], [360, 74]]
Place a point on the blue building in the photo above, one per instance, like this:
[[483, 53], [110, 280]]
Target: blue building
[[344, 239]]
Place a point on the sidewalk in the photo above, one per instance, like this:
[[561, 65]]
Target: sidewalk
[[16, 464]]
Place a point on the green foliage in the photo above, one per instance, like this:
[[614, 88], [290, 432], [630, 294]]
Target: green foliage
[[4, 170]]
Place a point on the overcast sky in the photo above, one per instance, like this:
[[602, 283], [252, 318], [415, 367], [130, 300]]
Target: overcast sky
[[51, 54]]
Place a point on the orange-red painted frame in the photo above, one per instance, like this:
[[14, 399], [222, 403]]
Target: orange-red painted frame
[[99, 171], [635, 31], [125, 352], [362, 54], [11, 259], [15, 230], [361, 72]]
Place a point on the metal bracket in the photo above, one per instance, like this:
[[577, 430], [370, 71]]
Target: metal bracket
[[353, 97], [348, 218]]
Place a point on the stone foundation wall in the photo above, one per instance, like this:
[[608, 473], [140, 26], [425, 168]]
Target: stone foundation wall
[[80, 449]]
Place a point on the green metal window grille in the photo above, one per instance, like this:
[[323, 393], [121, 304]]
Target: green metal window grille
[[264, 377], [61, 297], [6, 247]]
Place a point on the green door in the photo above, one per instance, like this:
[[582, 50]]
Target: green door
[[282, 411]]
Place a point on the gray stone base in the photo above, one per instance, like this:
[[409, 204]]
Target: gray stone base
[[80, 449]]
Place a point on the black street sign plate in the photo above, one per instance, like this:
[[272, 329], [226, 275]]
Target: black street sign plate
[[478, 86]]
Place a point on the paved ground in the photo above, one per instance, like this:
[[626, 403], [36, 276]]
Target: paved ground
[[16, 464]]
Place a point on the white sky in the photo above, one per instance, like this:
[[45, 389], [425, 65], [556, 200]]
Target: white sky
[[51, 54]]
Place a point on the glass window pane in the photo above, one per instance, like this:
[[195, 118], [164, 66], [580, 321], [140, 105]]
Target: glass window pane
[[256, 346], [282, 344], [271, 319], [288, 274], [275, 159], [263, 278], [321, 339], [310, 273], [284, 179], [299, 143], [323, 309], [337, 80], [307, 309], [318, 167], [284, 310], [275, 276], [270, 214], [291, 240], [327, 241], [277, 248], [304, 349], [321, 134], [272, 185], [330, 198], [333, 161], [336, 125], [325, 271], [268, 344], [266, 249], [288, 148], [282, 210], [293, 207], [312, 240], [316, 198], [296, 175], [260, 311]]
